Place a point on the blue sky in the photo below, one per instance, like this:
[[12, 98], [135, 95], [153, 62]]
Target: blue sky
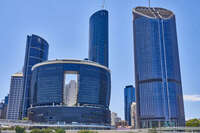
[[65, 24]]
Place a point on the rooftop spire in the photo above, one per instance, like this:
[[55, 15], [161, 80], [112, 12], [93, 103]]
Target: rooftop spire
[[149, 3], [103, 4]]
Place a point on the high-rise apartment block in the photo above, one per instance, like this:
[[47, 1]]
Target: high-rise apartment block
[[115, 119], [36, 52], [133, 114], [159, 94], [129, 97], [15, 97], [70, 92]]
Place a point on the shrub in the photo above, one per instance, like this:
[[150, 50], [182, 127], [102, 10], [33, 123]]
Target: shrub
[[19, 129], [87, 131], [36, 131], [47, 130], [60, 130]]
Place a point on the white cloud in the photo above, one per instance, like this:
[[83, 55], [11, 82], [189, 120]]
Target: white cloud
[[192, 98]]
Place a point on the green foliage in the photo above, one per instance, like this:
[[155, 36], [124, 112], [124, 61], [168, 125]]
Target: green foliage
[[20, 129], [152, 130], [45, 130], [36, 131], [60, 130], [25, 118], [193, 123], [87, 131]]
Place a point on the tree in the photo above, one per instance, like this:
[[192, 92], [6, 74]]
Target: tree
[[20, 129], [193, 123]]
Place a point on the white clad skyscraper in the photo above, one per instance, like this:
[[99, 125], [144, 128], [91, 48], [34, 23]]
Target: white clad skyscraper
[[71, 93], [15, 97]]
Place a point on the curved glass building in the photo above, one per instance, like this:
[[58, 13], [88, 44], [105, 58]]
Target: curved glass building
[[53, 90], [157, 69], [36, 51], [98, 37]]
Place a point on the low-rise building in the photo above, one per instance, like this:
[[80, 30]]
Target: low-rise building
[[115, 119]]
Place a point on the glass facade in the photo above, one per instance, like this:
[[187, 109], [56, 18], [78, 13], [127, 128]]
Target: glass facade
[[98, 38], [70, 115], [157, 69], [15, 97], [36, 52], [129, 97], [93, 83]]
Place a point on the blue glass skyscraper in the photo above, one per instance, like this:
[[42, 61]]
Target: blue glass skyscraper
[[98, 38], [36, 52], [157, 69], [129, 97]]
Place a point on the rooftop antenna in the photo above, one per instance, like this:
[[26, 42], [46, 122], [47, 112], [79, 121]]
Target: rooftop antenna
[[149, 3], [103, 4]]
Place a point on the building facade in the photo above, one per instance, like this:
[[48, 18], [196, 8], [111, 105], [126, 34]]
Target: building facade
[[159, 95], [98, 38], [36, 52], [1, 110], [93, 92], [115, 119], [15, 97], [129, 97], [3, 107], [133, 114]]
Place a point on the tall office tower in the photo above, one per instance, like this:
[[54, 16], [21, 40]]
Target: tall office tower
[[15, 97], [129, 97], [98, 38], [157, 69], [71, 92], [36, 52]]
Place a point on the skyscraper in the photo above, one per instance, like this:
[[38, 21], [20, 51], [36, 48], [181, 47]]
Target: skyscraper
[[98, 38], [129, 97], [157, 69], [133, 114], [15, 97], [36, 52]]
